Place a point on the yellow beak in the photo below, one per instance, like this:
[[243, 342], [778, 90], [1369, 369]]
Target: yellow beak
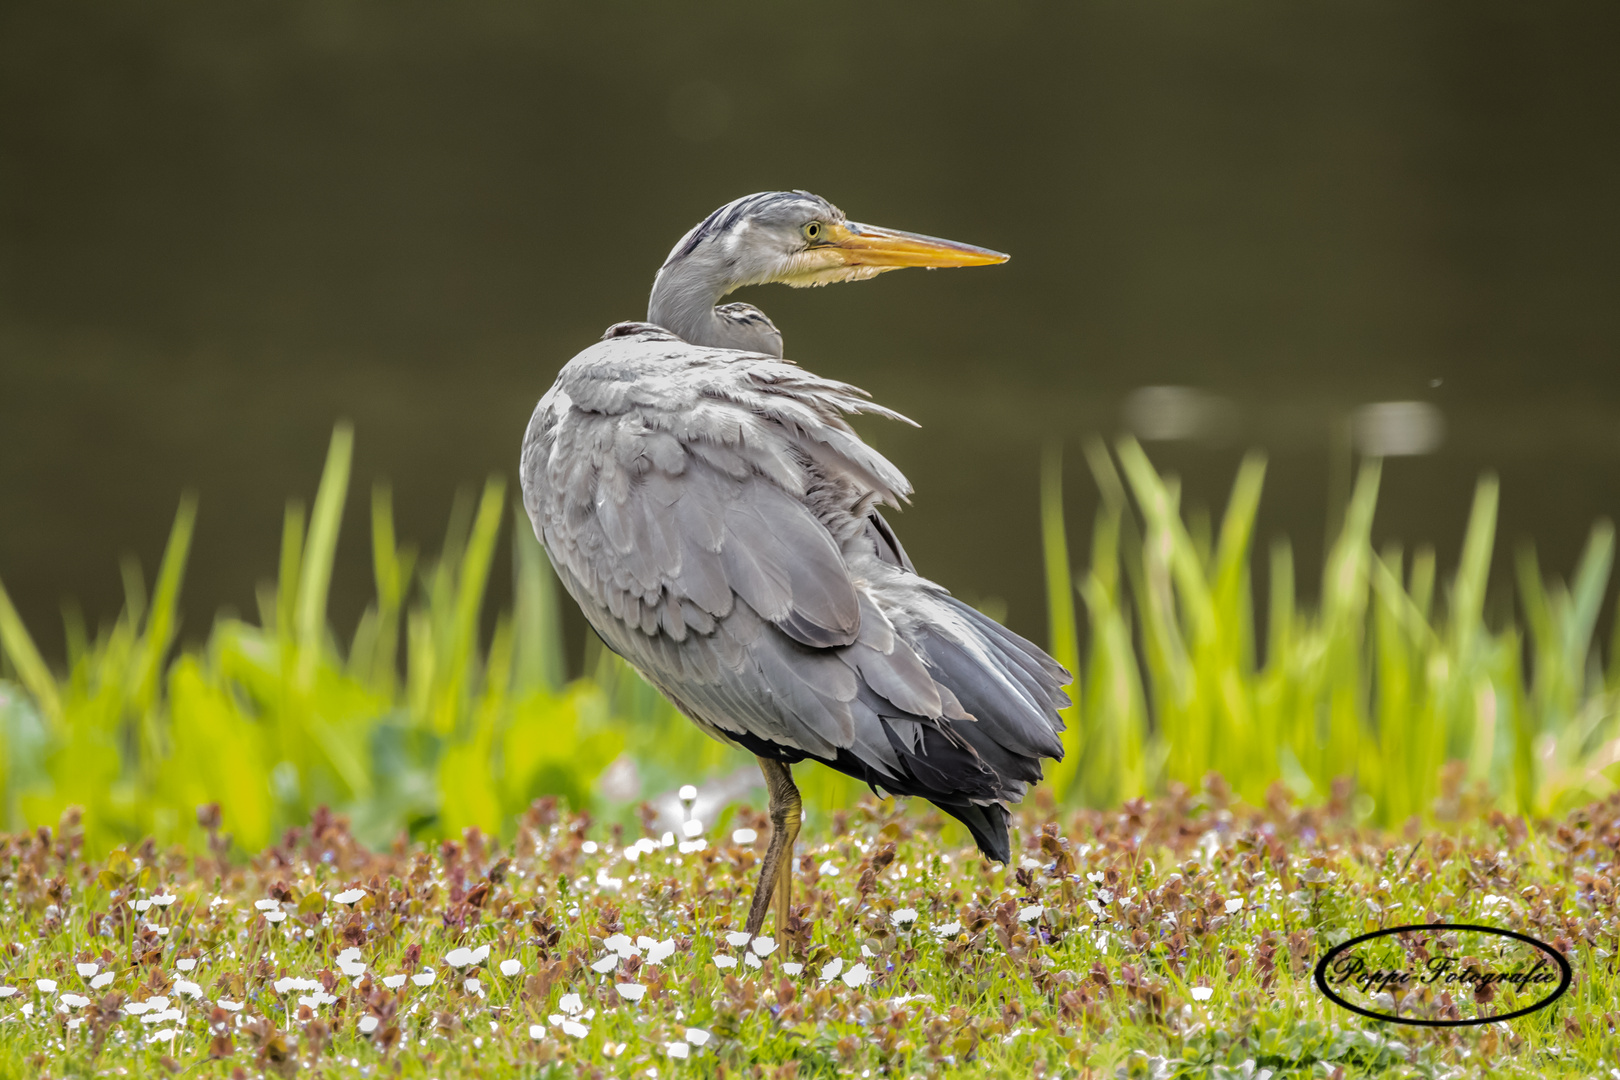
[[869, 245]]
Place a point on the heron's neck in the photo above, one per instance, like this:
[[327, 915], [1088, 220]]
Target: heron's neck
[[683, 300]]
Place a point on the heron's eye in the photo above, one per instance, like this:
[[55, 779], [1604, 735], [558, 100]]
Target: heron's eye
[[812, 231]]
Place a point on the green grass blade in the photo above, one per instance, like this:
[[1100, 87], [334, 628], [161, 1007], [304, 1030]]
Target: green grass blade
[[1062, 633], [539, 662], [320, 551], [30, 666], [163, 617]]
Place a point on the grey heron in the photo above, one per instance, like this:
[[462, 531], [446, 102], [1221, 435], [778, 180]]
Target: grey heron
[[717, 519]]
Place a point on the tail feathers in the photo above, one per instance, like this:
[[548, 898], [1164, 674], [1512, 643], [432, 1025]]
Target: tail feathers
[[988, 824]]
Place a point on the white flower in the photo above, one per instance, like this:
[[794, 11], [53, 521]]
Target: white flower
[[667, 840], [659, 951], [104, 979], [737, 938], [697, 1036], [830, 970], [1489, 900], [614, 1049], [1234, 905], [233, 1006], [275, 916], [394, 982], [28, 1009], [575, 1028], [752, 961], [75, 1001], [424, 978], [163, 1002], [828, 869], [135, 1008], [590, 847], [188, 988], [689, 846], [571, 1004], [510, 967], [744, 836], [367, 1025], [693, 827], [165, 1035], [1094, 877], [87, 970], [462, 957], [185, 965], [216, 901], [950, 929], [857, 976], [317, 999], [7, 991], [473, 986], [165, 900], [267, 905], [1031, 913], [630, 991], [904, 915], [723, 962], [349, 896], [46, 986], [687, 793], [352, 968], [792, 969], [764, 946], [537, 1031], [677, 1049], [606, 964], [1202, 993]]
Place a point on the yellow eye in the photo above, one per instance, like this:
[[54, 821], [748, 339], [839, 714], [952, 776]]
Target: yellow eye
[[812, 231]]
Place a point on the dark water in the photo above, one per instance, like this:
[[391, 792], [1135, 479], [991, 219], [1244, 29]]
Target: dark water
[[224, 226]]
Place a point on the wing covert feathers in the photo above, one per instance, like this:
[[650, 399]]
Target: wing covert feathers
[[716, 519]]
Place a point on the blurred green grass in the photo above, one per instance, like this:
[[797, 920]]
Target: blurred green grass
[[274, 718], [1422, 703], [1418, 701]]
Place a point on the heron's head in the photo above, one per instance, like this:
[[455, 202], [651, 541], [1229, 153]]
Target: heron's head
[[800, 239]]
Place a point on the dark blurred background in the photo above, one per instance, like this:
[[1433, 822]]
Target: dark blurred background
[[224, 226]]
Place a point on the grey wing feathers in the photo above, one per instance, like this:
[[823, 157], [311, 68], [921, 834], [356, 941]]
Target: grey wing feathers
[[716, 519]]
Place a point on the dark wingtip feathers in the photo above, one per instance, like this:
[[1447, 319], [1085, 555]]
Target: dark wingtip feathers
[[988, 824]]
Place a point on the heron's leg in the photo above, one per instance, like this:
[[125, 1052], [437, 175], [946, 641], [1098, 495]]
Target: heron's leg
[[776, 869]]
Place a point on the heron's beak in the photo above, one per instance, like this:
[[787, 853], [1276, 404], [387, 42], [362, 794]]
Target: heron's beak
[[886, 249]]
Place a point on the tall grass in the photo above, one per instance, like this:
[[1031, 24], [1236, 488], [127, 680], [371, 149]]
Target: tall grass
[[1420, 701], [418, 724], [272, 718]]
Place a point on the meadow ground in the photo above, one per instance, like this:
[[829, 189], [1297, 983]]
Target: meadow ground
[[1172, 938]]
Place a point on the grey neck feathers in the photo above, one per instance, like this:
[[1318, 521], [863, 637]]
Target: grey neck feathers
[[683, 302]]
